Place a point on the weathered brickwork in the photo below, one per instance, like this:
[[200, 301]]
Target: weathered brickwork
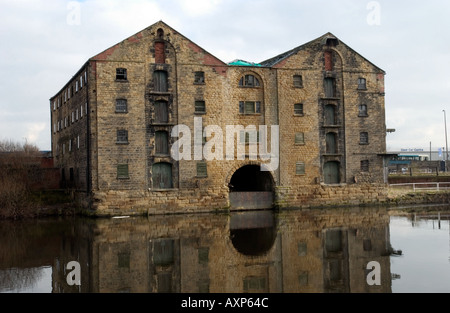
[[327, 100]]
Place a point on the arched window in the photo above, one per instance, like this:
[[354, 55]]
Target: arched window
[[249, 81], [162, 175]]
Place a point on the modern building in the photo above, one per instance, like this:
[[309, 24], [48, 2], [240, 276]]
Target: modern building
[[156, 124]]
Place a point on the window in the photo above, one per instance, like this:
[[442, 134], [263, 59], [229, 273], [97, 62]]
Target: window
[[160, 81], [78, 142], [330, 115], [81, 111], [249, 81], [298, 81], [364, 138], [70, 145], [200, 107], [161, 142], [54, 105], [76, 115], [81, 82], [121, 74], [122, 136], [300, 168], [298, 109], [199, 78], [250, 107], [362, 84], [202, 169], [122, 171], [331, 143], [76, 86], [250, 136], [73, 117], [299, 138], [161, 112], [121, 106], [362, 110], [364, 165], [162, 175], [330, 87]]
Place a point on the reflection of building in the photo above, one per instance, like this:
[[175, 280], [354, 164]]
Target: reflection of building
[[323, 251], [112, 127]]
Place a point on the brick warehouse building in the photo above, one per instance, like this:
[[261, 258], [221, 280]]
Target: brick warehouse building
[[112, 127]]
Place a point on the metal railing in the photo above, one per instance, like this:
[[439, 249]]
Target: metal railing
[[425, 186]]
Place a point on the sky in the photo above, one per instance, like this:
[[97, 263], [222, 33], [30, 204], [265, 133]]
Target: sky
[[45, 42]]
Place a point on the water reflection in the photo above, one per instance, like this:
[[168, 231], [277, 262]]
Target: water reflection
[[264, 251]]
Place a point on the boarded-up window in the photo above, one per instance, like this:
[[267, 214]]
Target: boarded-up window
[[160, 81], [300, 168], [362, 111], [202, 169], [161, 142], [249, 107], [298, 81], [200, 107], [330, 87], [364, 165], [250, 136], [364, 138], [331, 143], [122, 136], [362, 84], [122, 171], [298, 109], [299, 138], [328, 56], [121, 106], [161, 112], [330, 115], [160, 52], [331, 173], [162, 175]]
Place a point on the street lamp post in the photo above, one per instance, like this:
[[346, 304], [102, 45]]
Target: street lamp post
[[446, 143]]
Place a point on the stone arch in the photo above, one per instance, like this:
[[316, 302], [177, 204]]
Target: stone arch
[[251, 188]]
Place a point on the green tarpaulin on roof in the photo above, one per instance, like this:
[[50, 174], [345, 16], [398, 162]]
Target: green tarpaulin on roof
[[243, 63]]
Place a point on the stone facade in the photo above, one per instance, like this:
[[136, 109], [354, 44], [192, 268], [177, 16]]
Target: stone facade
[[117, 123]]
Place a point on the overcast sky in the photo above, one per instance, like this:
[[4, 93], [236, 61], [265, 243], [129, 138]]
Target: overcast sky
[[44, 43]]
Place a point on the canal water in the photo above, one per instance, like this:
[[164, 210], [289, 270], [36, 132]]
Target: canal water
[[352, 250]]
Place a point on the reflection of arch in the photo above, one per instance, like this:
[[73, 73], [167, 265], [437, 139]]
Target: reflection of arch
[[253, 232], [331, 172], [162, 175]]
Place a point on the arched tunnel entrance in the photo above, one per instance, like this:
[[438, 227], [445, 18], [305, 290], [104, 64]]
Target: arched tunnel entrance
[[251, 188]]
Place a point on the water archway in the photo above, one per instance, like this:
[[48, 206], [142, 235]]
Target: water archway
[[251, 188]]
